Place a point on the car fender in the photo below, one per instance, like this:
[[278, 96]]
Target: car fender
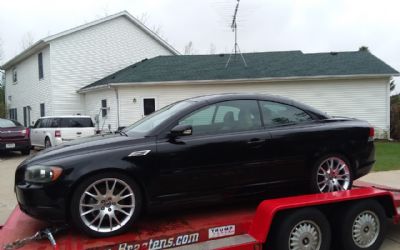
[[80, 166]]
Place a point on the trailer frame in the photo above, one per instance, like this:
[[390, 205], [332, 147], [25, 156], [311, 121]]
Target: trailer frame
[[224, 228]]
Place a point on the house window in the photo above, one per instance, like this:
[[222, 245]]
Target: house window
[[149, 105], [42, 110], [40, 65], [14, 75], [103, 108], [13, 114]]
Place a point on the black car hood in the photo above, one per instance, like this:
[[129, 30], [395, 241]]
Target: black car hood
[[85, 145]]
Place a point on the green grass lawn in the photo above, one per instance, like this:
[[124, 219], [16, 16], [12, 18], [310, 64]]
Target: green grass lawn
[[387, 156]]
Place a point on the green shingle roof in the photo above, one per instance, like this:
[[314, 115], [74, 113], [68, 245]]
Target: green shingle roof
[[259, 65]]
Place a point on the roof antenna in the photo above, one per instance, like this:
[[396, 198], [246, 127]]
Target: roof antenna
[[236, 48]]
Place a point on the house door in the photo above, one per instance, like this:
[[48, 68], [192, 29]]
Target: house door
[[149, 105]]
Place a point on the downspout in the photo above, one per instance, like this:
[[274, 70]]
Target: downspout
[[117, 97]]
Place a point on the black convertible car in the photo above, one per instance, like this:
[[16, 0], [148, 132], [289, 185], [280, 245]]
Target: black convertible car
[[208, 148]]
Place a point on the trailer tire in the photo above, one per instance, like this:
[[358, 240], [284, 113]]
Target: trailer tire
[[370, 216], [105, 204], [306, 226]]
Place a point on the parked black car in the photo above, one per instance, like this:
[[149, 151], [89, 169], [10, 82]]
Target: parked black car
[[201, 149], [14, 137]]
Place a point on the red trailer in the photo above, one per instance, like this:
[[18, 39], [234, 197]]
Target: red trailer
[[355, 218]]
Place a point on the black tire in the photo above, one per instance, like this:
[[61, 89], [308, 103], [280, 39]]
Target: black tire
[[47, 143], [79, 223], [314, 173], [290, 220], [344, 227], [26, 151]]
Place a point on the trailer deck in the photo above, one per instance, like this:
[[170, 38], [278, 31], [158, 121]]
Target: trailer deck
[[219, 227]]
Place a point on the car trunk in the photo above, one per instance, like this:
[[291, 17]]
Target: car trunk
[[12, 133]]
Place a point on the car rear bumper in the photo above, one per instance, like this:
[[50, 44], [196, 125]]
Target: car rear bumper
[[36, 202], [19, 145], [364, 170]]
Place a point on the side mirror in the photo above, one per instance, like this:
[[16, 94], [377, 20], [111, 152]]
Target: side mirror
[[181, 130]]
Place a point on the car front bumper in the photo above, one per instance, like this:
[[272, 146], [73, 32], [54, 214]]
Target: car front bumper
[[40, 202]]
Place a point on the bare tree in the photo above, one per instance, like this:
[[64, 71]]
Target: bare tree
[[189, 50], [27, 40], [144, 19], [213, 48], [2, 83], [2, 73], [157, 29]]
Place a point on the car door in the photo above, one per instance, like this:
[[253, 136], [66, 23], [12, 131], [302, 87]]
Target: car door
[[225, 144], [292, 140], [42, 131], [34, 132]]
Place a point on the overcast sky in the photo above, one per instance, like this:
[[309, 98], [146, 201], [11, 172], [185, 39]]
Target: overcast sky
[[264, 25]]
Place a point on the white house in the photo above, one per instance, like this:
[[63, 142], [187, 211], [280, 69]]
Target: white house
[[44, 79], [353, 84]]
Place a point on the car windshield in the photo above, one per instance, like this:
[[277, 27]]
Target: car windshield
[[8, 123], [153, 120]]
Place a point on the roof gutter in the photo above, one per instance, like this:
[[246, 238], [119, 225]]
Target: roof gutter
[[39, 45], [236, 81]]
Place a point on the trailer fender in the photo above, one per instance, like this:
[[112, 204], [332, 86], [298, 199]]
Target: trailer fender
[[268, 209]]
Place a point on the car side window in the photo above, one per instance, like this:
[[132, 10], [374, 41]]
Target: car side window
[[225, 117], [54, 123], [275, 114], [44, 123], [37, 123], [201, 120]]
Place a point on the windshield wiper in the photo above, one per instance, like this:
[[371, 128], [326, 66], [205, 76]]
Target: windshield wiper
[[121, 132]]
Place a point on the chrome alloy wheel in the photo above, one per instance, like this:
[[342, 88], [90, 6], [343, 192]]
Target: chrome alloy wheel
[[333, 175], [306, 235], [107, 205], [366, 229]]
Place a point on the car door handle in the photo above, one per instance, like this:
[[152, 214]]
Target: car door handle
[[78, 133], [255, 141]]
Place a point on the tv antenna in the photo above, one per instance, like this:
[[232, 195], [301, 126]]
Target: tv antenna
[[236, 48]]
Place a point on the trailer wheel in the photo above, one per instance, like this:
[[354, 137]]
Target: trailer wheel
[[105, 204], [362, 226], [306, 228]]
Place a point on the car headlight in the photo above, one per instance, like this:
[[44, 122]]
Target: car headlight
[[42, 174]]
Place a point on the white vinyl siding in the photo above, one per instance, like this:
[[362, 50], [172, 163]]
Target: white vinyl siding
[[29, 90], [83, 57], [93, 109], [363, 99]]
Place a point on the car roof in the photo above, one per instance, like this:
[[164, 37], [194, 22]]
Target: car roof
[[236, 96], [66, 116], [213, 98]]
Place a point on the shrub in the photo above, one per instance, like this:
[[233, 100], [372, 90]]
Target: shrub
[[395, 117]]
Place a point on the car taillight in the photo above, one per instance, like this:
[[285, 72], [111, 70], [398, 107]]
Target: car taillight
[[25, 132], [57, 133], [371, 134]]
